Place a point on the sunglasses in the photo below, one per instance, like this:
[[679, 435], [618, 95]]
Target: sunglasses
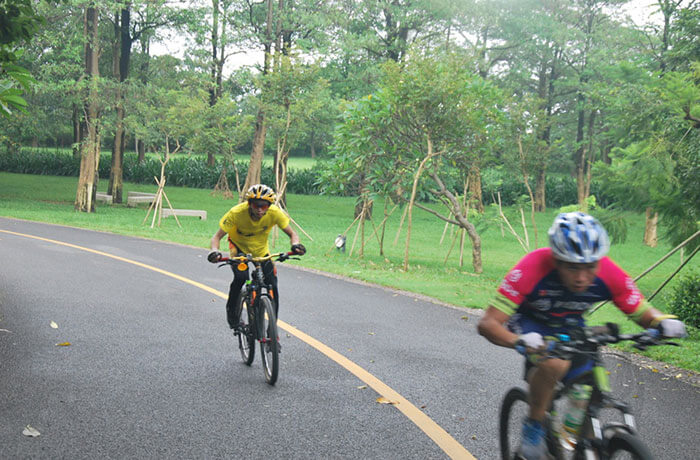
[[260, 204]]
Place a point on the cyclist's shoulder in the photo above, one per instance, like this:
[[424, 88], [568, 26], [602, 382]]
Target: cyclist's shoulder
[[540, 259]]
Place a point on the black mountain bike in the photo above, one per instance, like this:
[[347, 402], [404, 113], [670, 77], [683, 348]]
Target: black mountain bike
[[258, 321], [594, 441]]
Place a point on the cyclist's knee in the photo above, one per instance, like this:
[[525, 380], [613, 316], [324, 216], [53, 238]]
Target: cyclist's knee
[[550, 370]]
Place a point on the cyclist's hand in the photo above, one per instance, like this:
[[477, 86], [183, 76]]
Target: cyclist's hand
[[672, 328], [298, 249], [528, 342], [214, 257]]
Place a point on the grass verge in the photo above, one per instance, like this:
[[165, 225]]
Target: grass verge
[[431, 271]]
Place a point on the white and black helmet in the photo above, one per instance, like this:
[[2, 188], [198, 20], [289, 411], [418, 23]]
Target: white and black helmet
[[579, 238]]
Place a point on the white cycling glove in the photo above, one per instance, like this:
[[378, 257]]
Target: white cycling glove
[[532, 340], [672, 328]]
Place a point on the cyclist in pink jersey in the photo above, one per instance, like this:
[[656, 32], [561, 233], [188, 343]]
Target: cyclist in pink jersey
[[547, 292]]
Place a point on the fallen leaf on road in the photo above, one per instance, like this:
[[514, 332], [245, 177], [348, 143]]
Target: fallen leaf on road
[[465, 318], [30, 431], [362, 387], [53, 324], [383, 400], [63, 344]]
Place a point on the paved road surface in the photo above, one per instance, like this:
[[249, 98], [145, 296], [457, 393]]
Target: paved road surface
[[153, 372]]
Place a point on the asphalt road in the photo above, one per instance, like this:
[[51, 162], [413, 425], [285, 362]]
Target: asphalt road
[[152, 370]]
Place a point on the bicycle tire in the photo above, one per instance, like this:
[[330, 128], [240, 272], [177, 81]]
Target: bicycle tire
[[513, 408], [269, 343], [246, 335], [622, 443]]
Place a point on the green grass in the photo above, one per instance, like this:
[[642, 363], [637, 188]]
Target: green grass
[[50, 199]]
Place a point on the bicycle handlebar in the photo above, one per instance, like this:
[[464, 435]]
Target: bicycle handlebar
[[281, 257], [588, 339]]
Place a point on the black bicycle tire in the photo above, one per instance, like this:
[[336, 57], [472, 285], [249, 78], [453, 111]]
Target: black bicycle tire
[[626, 442], [269, 348], [246, 336], [512, 396]]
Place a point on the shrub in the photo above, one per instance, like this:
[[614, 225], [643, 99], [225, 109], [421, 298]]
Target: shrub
[[685, 299], [187, 171]]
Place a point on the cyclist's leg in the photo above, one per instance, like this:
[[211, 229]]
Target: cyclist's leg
[[542, 377], [270, 273], [239, 279]]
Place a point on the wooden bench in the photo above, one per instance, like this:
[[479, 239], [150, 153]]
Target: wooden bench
[[184, 212], [99, 196]]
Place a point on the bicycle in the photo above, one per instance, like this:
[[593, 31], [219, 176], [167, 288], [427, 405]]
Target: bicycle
[[593, 441], [258, 319]]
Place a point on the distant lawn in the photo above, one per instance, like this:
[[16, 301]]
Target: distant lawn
[[50, 199]]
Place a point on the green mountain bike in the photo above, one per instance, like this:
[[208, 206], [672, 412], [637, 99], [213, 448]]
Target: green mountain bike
[[595, 440]]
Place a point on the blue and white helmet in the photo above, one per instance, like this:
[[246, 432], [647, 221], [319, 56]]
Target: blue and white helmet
[[579, 238]]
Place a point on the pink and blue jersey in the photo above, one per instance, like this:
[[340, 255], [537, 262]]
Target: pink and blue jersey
[[533, 290]]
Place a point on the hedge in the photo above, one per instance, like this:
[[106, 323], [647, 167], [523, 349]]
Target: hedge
[[192, 171]]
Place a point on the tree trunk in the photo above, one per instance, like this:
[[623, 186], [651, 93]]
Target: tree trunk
[[121, 63], [256, 156], [475, 195], [413, 200], [77, 137], [90, 147], [580, 158], [540, 198], [652, 219]]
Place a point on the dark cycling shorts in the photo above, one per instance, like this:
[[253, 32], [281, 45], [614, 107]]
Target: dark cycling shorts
[[521, 324]]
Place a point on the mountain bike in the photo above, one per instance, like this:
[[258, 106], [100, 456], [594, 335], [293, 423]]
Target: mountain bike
[[258, 319], [594, 440]]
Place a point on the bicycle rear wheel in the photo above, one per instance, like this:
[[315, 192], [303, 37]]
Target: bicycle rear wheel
[[625, 446], [246, 335], [269, 340]]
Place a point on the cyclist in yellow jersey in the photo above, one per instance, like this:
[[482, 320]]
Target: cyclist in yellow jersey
[[248, 226]]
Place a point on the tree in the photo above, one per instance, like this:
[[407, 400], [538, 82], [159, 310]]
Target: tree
[[18, 23], [431, 117], [90, 146]]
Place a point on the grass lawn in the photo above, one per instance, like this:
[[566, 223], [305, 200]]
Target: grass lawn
[[50, 199]]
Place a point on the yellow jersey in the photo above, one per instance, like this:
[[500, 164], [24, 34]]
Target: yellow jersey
[[248, 235]]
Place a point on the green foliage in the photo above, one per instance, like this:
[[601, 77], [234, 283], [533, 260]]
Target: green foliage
[[615, 222], [18, 23], [685, 299], [187, 171]]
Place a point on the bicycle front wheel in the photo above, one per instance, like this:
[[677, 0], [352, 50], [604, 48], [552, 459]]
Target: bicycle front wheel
[[513, 410], [246, 335], [625, 446], [269, 340]]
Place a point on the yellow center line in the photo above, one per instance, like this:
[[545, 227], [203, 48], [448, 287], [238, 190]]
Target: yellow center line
[[434, 431]]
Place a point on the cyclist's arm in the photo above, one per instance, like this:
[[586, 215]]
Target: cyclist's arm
[[651, 317], [216, 239], [492, 326], [293, 236]]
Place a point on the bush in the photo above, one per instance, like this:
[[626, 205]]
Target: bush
[[685, 299], [186, 171]]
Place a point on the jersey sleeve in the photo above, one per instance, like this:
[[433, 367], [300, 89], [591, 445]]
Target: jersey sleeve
[[623, 290], [227, 222], [521, 280], [281, 218]]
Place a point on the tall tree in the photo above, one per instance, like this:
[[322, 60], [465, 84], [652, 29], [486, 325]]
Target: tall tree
[[90, 146]]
